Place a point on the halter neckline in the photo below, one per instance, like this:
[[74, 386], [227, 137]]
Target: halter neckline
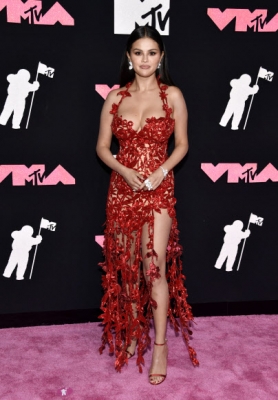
[[126, 93]]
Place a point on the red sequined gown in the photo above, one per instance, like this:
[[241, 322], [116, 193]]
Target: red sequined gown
[[127, 211]]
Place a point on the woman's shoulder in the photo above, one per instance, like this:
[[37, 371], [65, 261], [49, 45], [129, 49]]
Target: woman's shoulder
[[112, 95], [174, 94], [174, 91]]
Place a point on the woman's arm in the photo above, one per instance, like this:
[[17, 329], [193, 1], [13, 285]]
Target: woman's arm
[[177, 103], [180, 115], [133, 178], [105, 135]]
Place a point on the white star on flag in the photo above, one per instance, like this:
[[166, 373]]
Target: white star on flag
[[64, 392]]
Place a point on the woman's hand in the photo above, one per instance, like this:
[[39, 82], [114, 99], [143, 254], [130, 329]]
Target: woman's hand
[[133, 178], [155, 179]]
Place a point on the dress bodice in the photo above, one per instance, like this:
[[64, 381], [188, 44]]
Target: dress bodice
[[145, 149]]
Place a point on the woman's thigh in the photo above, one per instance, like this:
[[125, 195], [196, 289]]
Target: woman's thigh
[[161, 231]]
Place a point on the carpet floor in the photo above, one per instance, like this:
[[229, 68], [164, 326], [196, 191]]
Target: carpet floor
[[238, 361]]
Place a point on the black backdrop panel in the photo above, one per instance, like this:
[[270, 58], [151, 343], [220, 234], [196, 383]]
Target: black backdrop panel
[[62, 131]]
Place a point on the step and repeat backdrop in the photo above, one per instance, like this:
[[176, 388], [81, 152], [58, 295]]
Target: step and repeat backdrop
[[59, 60]]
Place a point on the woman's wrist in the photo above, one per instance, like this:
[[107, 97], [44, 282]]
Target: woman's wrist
[[121, 169], [164, 170]]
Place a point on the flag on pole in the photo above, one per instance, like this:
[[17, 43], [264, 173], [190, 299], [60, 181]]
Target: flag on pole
[[264, 74], [45, 224], [44, 70], [254, 219], [51, 226]]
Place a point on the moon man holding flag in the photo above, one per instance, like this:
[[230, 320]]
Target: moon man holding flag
[[22, 244], [18, 90]]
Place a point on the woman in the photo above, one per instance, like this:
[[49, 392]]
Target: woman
[[141, 225]]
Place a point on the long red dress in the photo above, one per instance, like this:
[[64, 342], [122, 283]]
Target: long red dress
[[127, 211]]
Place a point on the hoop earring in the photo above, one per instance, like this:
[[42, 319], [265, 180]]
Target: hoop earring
[[130, 66]]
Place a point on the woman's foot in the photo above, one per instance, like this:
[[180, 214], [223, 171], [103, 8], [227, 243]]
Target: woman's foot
[[130, 351], [158, 370]]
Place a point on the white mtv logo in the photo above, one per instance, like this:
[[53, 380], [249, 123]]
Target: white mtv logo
[[130, 13]]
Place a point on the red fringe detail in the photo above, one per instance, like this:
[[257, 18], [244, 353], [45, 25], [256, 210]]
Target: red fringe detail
[[127, 212]]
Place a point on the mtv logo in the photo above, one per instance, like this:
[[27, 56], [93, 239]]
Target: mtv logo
[[49, 72], [32, 10], [128, 14], [52, 226], [269, 76]]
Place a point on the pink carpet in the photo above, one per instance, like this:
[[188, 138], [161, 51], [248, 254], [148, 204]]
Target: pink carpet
[[238, 360]]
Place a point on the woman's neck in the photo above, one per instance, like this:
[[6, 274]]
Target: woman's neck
[[142, 84]]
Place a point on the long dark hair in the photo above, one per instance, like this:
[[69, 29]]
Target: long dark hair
[[127, 75]]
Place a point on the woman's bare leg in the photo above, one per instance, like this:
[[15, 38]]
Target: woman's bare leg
[[160, 293]]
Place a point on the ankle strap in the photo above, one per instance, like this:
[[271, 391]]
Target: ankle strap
[[158, 344]]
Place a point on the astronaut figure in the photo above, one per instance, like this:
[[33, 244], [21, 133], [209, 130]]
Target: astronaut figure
[[22, 244], [241, 89], [234, 235], [18, 90]]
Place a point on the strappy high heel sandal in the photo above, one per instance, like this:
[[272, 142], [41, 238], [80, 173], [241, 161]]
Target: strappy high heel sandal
[[158, 375], [129, 354]]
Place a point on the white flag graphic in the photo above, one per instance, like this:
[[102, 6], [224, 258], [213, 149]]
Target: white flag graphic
[[45, 224], [264, 74], [44, 70], [51, 226], [254, 219]]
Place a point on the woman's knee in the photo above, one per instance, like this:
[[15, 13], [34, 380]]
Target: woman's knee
[[160, 262], [157, 282], [161, 273]]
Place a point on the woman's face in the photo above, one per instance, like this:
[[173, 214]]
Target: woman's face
[[145, 56]]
